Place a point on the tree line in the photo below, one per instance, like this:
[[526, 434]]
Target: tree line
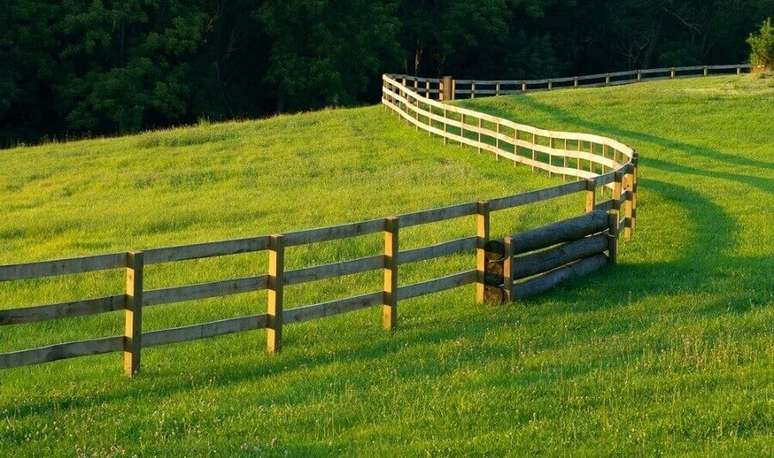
[[73, 68]]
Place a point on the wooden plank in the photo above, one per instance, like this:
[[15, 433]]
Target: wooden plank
[[437, 214], [551, 279], [310, 312], [536, 196], [133, 313], [342, 231], [275, 293], [62, 266], [62, 310], [437, 285], [205, 290], [61, 351], [390, 273], [438, 250], [336, 269], [543, 261], [562, 231], [204, 330], [206, 250], [590, 196], [482, 237]]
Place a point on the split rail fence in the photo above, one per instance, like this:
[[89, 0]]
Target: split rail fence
[[527, 263]]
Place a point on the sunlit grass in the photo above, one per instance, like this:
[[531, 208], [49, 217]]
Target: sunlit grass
[[670, 352]]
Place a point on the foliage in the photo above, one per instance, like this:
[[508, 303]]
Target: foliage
[[79, 68], [762, 45], [667, 353]]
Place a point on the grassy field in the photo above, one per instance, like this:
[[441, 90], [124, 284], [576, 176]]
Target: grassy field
[[670, 352]]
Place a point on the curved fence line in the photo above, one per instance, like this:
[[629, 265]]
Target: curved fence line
[[518, 266]]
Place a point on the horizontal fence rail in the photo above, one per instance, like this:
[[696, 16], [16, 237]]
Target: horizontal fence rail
[[520, 266]]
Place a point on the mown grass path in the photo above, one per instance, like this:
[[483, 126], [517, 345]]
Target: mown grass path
[[670, 352]]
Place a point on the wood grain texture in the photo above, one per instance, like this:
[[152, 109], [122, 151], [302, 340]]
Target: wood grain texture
[[205, 290], [543, 261], [275, 294], [206, 250], [390, 273], [553, 278], [336, 269], [133, 314], [62, 310], [62, 266], [438, 250], [562, 231], [310, 312], [437, 285], [61, 351], [204, 330], [324, 234]]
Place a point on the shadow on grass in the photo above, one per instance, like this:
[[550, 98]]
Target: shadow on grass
[[618, 132], [628, 282]]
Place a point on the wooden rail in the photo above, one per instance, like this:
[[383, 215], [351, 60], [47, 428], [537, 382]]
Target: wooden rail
[[532, 261]]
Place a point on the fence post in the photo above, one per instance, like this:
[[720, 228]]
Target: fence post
[[473, 90], [482, 234], [275, 293], [550, 84], [133, 313], [706, 70], [738, 69], [448, 90], [612, 238], [497, 88], [590, 196], [607, 80], [508, 268], [639, 75], [390, 290], [575, 82], [479, 135], [615, 215], [636, 162], [523, 87]]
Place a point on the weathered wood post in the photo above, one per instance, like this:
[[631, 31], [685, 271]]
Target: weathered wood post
[[448, 88], [133, 313], [575, 82], [612, 238], [607, 79], [390, 290], [473, 90], [497, 88], [738, 69], [523, 87], [275, 294], [672, 73], [639, 75], [635, 162], [550, 85], [706, 70], [482, 237], [590, 196]]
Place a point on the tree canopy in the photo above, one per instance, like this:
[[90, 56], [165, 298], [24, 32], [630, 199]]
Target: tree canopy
[[71, 68]]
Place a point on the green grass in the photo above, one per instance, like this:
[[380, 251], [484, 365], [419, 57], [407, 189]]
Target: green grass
[[670, 352]]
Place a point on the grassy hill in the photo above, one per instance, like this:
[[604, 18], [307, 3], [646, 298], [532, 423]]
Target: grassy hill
[[670, 352]]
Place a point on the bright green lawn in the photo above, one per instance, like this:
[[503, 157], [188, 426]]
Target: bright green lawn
[[670, 352]]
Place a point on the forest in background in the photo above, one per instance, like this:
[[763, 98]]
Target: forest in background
[[70, 68]]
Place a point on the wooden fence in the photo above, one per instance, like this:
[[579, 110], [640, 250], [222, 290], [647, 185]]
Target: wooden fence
[[448, 88], [527, 263]]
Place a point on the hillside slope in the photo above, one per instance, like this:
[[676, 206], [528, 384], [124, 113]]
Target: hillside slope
[[669, 352]]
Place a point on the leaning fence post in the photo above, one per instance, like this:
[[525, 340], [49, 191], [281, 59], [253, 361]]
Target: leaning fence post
[[275, 293], [508, 268], [390, 291], [482, 237], [133, 313]]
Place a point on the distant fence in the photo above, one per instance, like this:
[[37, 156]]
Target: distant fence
[[526, 263], [448, 88]]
